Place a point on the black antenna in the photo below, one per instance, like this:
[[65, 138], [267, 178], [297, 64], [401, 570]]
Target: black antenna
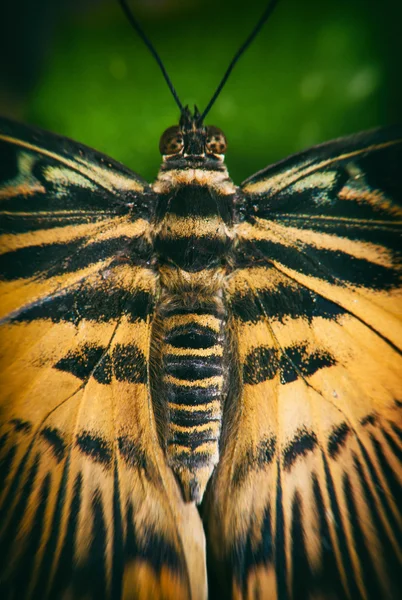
[[264, 17], [151, 48]]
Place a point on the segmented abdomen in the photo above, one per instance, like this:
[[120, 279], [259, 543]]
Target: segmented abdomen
[[193, 378]]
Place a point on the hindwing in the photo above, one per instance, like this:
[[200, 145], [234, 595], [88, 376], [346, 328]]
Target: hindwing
[[306, 499], [88, 505]]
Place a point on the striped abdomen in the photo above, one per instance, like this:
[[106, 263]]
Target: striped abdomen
[[193, 374]]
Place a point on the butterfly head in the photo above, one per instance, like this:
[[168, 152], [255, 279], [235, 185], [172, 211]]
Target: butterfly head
[[191, 142]]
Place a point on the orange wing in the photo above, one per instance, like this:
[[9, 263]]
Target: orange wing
[[306, 501], [88, 505]]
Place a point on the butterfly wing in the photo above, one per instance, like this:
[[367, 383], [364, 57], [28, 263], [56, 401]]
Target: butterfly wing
[[306, 501], [88, 505]]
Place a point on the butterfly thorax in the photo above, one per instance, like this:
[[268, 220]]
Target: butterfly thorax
[[192, 240]]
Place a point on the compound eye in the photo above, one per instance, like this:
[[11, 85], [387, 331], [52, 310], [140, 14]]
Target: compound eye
[[171, 141], [216, 141]]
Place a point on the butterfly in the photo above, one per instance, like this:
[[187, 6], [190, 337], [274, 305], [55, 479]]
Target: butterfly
[[201, 382]]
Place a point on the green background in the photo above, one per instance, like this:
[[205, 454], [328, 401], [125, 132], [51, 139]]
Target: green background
[[318, 70]]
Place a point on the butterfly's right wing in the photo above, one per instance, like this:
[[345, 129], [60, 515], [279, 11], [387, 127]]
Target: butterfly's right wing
[[88, 506]]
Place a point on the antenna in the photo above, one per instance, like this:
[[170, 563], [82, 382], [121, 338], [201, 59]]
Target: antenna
[[264, 17], [133, 21]]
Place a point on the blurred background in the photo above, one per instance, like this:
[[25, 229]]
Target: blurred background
[[318, 70]]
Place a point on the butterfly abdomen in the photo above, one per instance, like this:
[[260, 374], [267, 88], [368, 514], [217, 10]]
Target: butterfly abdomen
[[192, 385]]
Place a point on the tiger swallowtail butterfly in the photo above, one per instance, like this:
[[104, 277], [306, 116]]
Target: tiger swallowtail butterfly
[[192, 369]]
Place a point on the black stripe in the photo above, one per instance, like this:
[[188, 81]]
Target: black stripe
[[387, 550], [265, 551], [192, 438], [65, 569], [192, 254], [303, 442], [96, 447], [337, 439], [132, 454], [10, 533], [90, 579], [301, 572], [57, 259], [387, 471], [301, 203], [381, 234], [383, 494], [260, 364], [187, 418], [245, 556], [86, 360], [126, 362], [21, 425], [333, 266], [193, 336], [26, 562], [16, 482], [340, 534], [367, 567], [283, 302], [129, 363], [98, 305], [55, 441], [152, 547], [370, 419], [118, 537], [397, 430], [96, 581], [191, 396], [264, 363], [280, 555], [192, 368], [381, 168], [79, 202], [196, 201], [191, 461], [50, 549], [393, 446], [329, 578], [306, 362], [7, 459], [253, 460], [188, 163], [17, 224]]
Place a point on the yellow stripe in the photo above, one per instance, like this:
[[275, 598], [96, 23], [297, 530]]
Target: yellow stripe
[[289, 236], [97, 232], [209, 381], [185, 227], [219, 180], [214, 351], [281, 181], [213, 426], [104, 177], [213, 407], [206, 447], [206, 320]]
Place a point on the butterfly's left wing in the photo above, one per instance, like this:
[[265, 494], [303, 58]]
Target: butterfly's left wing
[[88, 505], [306, 500]]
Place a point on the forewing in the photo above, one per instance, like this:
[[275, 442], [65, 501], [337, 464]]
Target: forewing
[[88, 505], [306, 501]]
